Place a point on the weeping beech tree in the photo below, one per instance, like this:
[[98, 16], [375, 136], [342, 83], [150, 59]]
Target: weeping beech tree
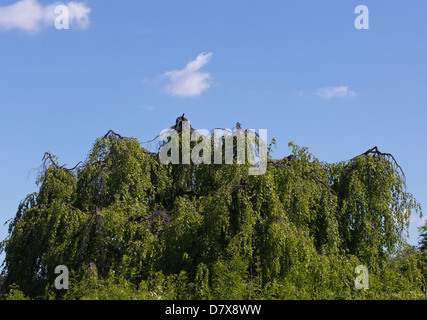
[[213, 231]]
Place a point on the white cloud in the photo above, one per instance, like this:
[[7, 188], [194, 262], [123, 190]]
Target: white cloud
[[190, 81], [31, 16], [79, 14], [332, 92]]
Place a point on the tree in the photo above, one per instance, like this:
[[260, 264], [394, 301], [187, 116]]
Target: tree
[[422, 242], [210, 231]]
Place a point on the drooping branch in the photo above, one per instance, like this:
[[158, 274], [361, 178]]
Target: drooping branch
[[163, 216], [374, 151], [112, 133], [48, 157], [95, 221], [313, 175]]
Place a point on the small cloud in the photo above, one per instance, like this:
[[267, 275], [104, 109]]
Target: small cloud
[[148, 108], [32, 17], [190, 81], [332, 92]]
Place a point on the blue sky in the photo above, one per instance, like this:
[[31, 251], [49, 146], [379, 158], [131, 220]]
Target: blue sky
[[299, 69]]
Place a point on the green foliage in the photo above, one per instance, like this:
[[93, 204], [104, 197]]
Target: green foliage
[[422, 244], [15, 294], [129, 227]]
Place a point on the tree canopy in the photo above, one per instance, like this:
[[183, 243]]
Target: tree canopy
[[203, 231]]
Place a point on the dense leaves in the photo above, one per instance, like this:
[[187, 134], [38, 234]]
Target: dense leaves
[[129, 227]]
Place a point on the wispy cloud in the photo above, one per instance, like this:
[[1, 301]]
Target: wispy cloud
[[32, 17], [335, 92], [190, 81], [148, 108]]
